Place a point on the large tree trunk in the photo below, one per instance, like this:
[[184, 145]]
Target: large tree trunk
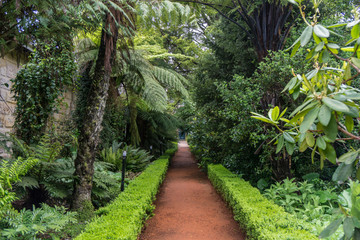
[[93, 115]]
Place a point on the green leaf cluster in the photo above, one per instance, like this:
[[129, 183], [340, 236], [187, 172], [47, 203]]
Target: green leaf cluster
[[10, 173], [136, 159], [37, 223]]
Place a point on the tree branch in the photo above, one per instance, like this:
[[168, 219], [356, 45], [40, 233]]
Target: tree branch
[[352, 136]]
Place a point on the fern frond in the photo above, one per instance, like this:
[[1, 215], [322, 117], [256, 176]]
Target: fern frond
[[28, 182], [171, 79], [154, 94], [46, 150]]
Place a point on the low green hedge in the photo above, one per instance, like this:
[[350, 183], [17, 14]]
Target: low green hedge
[[123, 219], [259, 217]]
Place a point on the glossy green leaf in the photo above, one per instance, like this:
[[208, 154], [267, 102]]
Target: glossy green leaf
[[280, 144], [288, 138], [353, 96], [313, 154], [310, 140], [333, 46], [348, 49], [295, 49], [262, 119], [321, 31], [348, 157], [356, 61], [347, 74], [343, 172], [309, 119], [306, 35], [349, 123], [330, 153], [331, 228], [310, 54], [282, 113], [299, 108], [289, 147], [294, 43], [293, 2], [275, 113], [319, 47], [336, 25], [335, 105], [324, 115], [355, 31], [303, 146], [324, 56], [351, 24], [320, 142], [353, 112], [290, 84], [331, 129], [348, 226]]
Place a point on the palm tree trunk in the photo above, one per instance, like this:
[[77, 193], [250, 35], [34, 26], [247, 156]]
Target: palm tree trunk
[[93, 115]]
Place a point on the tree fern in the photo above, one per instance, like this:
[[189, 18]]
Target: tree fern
[[163, 12]]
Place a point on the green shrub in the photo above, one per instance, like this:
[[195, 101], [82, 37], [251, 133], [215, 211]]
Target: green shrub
[[136, 159], [124, 218], [35, 224], [259, 217]]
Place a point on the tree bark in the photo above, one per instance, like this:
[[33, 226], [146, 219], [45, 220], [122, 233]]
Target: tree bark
[[89, 132]]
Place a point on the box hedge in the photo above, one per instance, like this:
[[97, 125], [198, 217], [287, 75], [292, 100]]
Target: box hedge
[[260, 218], [123, 219]]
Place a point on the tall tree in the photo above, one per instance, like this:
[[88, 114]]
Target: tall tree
[[267, 23], [118, 15]]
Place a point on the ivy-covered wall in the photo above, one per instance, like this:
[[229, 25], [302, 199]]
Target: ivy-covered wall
[[8, 69]]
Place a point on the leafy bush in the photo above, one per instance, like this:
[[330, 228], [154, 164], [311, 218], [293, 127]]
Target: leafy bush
[[305, 200], [39, 222], [124, 218], [136, 159], [260, 218]]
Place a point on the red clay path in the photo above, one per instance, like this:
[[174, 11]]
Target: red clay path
[[188, 207]]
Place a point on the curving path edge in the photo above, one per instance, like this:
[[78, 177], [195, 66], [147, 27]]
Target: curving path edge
[[188, 207]]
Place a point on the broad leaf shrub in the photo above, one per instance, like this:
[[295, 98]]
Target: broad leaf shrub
[[123, 219], [260, 218]]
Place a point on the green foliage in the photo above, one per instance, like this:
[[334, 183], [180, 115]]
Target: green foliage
[[55, 175], [157, 130], [125, 216], [164, 12], [260, 218], [10, 172], [114, 125], [136, 159], [303, 200], [39, 85], [37, 223], [223, 129]]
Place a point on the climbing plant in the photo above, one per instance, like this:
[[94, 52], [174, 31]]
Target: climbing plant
[[39, 85]]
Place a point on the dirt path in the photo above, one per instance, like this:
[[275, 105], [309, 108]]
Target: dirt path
[[188, 207]]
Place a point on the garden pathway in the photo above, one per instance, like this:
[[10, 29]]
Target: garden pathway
[[188, 207]]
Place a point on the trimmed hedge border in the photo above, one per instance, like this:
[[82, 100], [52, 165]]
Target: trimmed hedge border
[[123, 219], [259, 217]]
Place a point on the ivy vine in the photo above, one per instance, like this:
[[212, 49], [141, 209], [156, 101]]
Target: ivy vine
[[39, 85]]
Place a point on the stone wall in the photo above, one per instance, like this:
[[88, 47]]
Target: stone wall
[[8, 70]]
